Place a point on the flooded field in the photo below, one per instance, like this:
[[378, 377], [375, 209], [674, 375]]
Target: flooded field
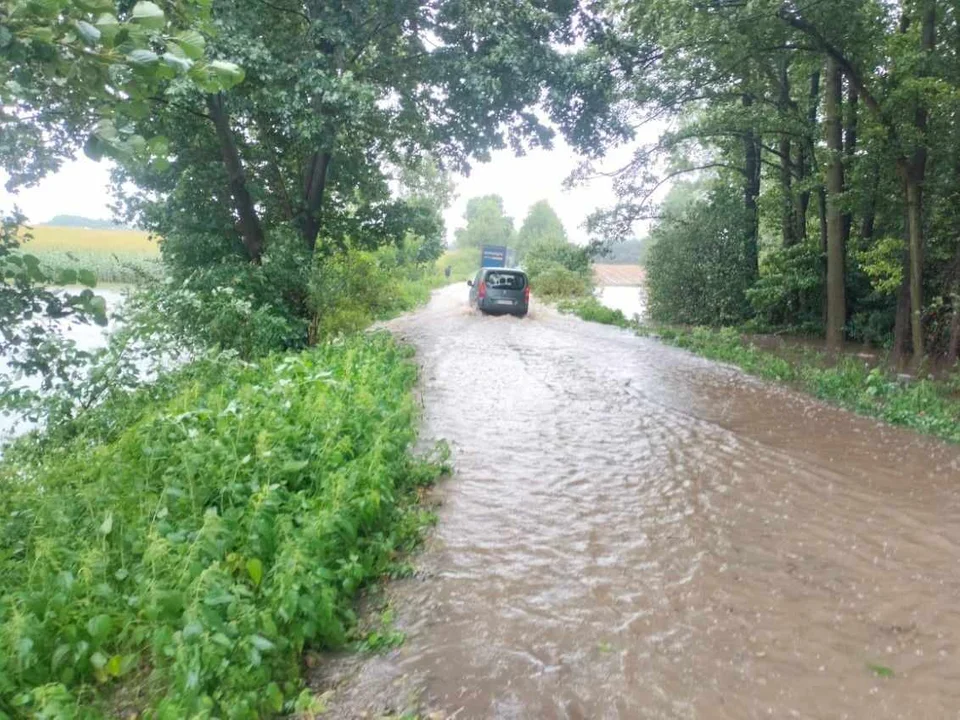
[[634, 532]]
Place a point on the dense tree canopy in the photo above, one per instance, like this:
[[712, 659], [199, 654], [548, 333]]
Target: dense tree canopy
[[836, 122], [540, 225], [486, 224]]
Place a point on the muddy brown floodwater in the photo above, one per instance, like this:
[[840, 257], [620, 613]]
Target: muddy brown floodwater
[[634, 532]]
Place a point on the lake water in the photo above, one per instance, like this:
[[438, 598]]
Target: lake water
[[630, 300], [87, 336]]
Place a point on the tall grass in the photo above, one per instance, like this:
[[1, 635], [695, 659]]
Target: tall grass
[[178, 562]]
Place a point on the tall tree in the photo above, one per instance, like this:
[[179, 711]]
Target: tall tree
[[486, 223], [541, 224], [836, 252]]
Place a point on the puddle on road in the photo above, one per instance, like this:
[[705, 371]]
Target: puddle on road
[[634, 532]]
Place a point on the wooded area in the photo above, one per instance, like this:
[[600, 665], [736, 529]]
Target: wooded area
[[836, 122]]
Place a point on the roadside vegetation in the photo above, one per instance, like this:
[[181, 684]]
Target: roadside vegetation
[[177, 548], [813, 155]]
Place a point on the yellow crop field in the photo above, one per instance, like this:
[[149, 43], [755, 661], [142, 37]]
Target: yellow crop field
[[72, 239]]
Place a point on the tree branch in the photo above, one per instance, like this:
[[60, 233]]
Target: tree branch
[[808, 28]]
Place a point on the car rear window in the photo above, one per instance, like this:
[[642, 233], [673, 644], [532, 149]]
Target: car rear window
[[506, 280]]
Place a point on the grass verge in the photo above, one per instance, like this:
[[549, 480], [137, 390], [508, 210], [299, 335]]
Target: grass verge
[[928, 406], [179, 552]]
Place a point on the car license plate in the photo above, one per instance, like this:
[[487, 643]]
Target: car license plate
[[504, 302]]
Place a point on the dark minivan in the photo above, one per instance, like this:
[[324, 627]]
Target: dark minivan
[[500, 291]]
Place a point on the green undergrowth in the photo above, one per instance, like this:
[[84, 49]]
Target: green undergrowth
[[177, 564], [591, 309], [928, 406]]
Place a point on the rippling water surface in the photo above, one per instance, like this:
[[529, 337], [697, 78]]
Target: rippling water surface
[[634, 532]]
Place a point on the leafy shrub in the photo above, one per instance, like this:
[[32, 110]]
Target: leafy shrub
[[180, 563], [593, 310], [696, 269], [350, 290], [556, 281], [790, 288], [558, 269]]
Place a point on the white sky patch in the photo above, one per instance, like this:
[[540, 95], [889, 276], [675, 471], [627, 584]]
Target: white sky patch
[[80, 187]]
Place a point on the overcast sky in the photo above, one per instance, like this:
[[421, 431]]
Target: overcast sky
[[80, 188]]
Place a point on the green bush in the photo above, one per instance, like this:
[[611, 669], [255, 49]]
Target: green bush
[[696, 269], [180, 564], [593, 310], [558, 269], [789, 291], [555, 281], [352, 289]]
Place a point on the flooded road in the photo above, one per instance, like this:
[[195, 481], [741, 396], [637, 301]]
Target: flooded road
[[634, 532]]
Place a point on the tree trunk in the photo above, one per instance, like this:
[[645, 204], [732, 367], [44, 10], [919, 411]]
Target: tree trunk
[[751, 190], [868, 227], [250, 230], [953, 350], [914, 194], [788, 222], [901, 326], [836, 295], [314, 185], [914, 172], [850, 149], [806, 155]]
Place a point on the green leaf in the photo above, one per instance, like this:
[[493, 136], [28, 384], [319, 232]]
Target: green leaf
[[143, 57], [148, 14], [108, 25], [105, 130], [880, 670], [158, 145], [192, 630], [192, 43], [87, 278], [274, 697], [98, 660], [261, 643], [88, 32], [97, 307], [67, 276], [114, 666], [255, 570], [107, 525], [99, 627], [180, 64], [93, 6], [227, 74]]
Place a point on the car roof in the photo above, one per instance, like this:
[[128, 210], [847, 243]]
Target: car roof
[[512, 270]]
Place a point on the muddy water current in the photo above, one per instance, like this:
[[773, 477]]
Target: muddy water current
[[634, 532]]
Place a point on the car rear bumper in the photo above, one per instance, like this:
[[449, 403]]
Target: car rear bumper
[[495, 308]]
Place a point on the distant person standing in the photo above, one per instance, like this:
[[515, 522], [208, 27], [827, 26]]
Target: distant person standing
[[446, 271]]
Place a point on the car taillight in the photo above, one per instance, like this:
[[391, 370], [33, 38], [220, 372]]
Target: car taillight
[[482, 290], [526, 294]]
